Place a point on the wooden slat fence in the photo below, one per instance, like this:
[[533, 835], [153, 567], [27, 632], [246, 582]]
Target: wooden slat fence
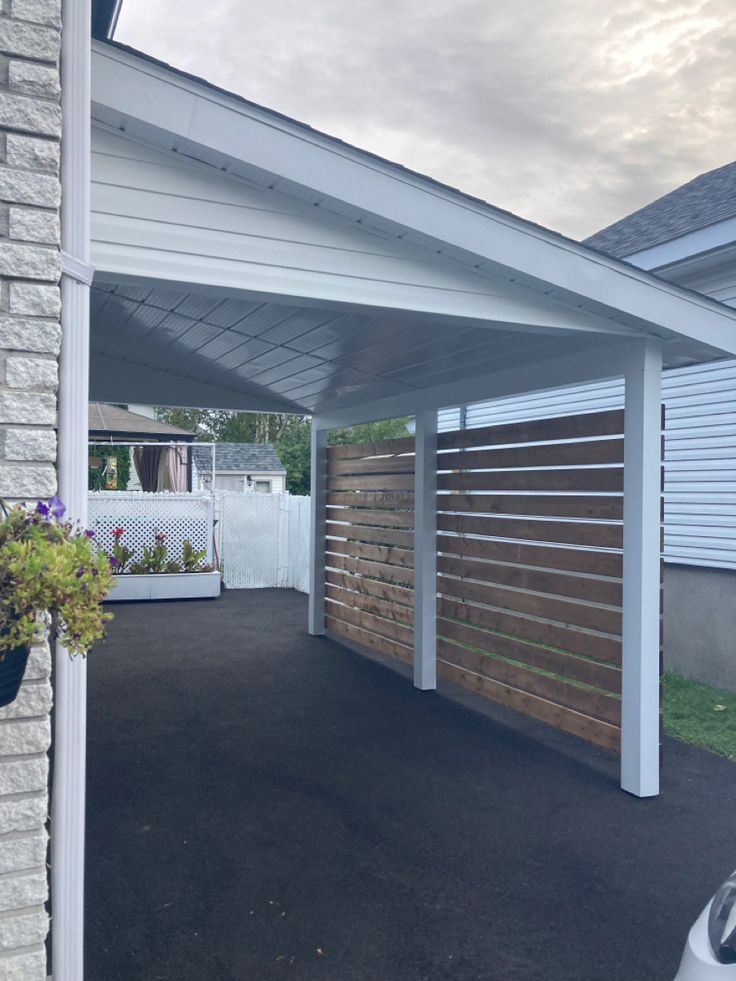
[[369, 596], [529, 562], [530, 537]]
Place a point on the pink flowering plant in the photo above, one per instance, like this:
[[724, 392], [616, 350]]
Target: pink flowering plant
[[49, 565], [155, 558]]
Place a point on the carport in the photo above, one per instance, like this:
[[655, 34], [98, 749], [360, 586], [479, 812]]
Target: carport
[[239, 259]]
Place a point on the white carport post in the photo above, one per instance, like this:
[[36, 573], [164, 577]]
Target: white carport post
[[641, 586], [425, 551], [70, 684], [317, 531]]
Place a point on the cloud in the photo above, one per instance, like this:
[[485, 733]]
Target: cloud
[[571, 113]]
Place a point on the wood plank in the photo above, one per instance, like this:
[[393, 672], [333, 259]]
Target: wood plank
[[600, 733], [375, 553], [547, 607], [545, 556], [603, 479], [526, 628], [380, 482], [598, 705], [377, 519], [352, 451], [371, 587], [550, 505], [590, 534], [373, 641], [374, 499], [382, 464], [371, 604], [601, 676], [608, 423], [594, 452], [381, 536], [377, 570], [606, 591], [391, 629]]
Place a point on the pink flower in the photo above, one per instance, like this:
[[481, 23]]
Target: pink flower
[[118, 532], [160, 537]]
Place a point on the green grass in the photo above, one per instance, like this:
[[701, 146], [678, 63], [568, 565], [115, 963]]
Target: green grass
[[700, 715]]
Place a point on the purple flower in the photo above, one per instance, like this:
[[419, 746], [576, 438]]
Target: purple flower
[[42, 508], [113, 561], [89, 532], [57, 508], [80, 572]]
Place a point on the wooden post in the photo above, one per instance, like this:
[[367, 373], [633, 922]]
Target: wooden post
[[317, 531], [641, 575], [425, 551]]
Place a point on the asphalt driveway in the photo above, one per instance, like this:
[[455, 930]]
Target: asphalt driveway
[[266, 805]]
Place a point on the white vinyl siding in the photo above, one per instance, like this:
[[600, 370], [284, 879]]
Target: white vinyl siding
[[700, 443]]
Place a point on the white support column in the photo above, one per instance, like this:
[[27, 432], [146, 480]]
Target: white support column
[[425, 551], [317, 531], [642, 493], [68, 802]]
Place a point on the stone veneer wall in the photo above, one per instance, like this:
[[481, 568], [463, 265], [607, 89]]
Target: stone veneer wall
[[30, 267]]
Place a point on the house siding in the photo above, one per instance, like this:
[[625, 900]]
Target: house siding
[[143, 198], [30, 266]]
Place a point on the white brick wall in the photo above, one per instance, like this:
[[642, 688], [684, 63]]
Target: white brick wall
[[30, 266]]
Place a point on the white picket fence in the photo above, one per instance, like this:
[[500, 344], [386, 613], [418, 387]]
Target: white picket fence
[[263, 540]]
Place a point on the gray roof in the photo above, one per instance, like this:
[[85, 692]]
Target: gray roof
[[239, 457], [110, 420], [703, 201]]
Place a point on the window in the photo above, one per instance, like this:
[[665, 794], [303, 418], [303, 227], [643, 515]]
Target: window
[[262, 486]]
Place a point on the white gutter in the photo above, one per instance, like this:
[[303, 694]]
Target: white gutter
[[68, 801]]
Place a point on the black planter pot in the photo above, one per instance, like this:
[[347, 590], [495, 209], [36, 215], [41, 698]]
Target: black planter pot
[[12, 668]]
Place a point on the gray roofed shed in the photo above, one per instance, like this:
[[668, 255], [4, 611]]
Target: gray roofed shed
[[239, 458], [703, 201]]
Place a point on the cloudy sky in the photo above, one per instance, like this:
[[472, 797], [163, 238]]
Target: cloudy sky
[[572, 113]]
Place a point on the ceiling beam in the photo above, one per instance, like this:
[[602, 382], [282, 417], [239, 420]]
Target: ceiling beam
[[593, 362]]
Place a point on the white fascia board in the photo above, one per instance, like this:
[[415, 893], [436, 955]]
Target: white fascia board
[[594, 362], [716, 236], [165, 102], [116, 379]]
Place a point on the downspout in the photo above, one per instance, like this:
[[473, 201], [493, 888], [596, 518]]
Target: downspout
[[68, 802]]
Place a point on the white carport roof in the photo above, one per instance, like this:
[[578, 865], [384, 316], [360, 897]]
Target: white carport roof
[[244, 260]]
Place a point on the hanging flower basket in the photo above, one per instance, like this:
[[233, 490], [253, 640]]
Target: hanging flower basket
[[46, 566]]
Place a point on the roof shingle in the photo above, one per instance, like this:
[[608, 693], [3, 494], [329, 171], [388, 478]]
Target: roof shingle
[[703, 201], [239, 457]]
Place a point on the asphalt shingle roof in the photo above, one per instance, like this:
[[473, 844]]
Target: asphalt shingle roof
[[111, 420], [703, 201], [239, 457]]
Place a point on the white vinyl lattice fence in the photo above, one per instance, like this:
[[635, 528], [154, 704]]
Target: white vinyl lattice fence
[[263, 540], [180, 517]]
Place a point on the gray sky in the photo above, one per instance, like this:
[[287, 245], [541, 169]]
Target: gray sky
[[569, 112]]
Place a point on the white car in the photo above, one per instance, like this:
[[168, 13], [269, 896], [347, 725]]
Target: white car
[[710, 951]]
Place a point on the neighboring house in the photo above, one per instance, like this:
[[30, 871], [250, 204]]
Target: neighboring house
[[687, 237], [247, 467]]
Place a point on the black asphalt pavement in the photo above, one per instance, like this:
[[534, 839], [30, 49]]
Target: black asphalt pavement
[[266, 805]]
